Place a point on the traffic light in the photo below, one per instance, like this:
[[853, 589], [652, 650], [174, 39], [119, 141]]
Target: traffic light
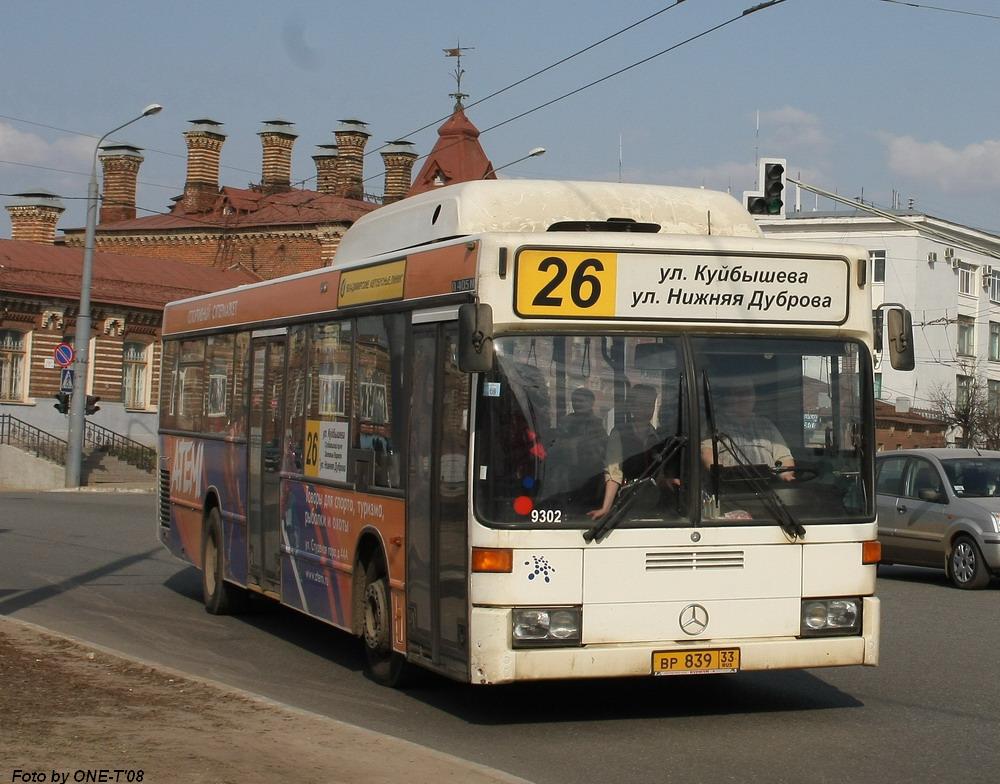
[[92, 407], [770, 199], [62, 402]]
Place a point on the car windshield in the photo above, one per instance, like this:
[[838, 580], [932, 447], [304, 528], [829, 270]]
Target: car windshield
[[973, 477], [561, 415]]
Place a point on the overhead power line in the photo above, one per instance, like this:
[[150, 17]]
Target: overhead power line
[[495, 93], [619, 72], [939, 8], [94, 136], [918, 227], [81, 174], [539, 72]]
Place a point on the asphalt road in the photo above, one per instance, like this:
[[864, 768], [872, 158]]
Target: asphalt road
[[89, 565]]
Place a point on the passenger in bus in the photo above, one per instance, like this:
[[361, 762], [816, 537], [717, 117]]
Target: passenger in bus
[[755, 436], [631, 447], [577, 454]]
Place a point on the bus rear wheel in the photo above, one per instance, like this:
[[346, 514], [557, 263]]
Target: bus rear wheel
[[382, 664], [220, 597]]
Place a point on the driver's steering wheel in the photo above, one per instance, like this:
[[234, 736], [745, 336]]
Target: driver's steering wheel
[[802, 473]]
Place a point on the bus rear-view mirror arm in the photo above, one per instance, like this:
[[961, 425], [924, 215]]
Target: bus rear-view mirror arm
[[475, 338]]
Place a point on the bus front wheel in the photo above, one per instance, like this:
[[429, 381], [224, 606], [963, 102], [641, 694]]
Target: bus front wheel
[[220, 597], [382, 664]]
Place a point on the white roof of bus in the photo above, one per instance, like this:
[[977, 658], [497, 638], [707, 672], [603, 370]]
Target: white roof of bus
[[534, 205]]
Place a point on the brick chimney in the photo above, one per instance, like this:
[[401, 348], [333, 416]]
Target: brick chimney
[[121, 170], [204, 144], [33, 217], [326, 168], [351, 140], [398, 158], [277, 139]]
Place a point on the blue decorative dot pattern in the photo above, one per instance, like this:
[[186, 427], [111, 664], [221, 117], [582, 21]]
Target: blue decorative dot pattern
[[540, 568]]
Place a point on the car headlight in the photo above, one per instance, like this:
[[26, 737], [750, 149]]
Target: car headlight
[[995, 517], [830, 616], [540, 626]]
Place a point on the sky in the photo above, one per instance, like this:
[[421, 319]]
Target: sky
[[862, 97]]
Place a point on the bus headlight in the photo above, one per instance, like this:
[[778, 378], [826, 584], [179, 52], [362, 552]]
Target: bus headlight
[[539, 626], [830, 616]]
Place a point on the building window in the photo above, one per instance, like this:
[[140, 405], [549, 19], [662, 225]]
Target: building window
[[332, 394], [877, 260], [995, 341], [966, 279], [135, 374], [329, 371], [993, 397], [221, 376], [963, 384], [12, 350], [966, 336], [994, 285]]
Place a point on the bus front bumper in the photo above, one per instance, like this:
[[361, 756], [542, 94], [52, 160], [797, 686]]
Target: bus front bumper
[[493, 660]]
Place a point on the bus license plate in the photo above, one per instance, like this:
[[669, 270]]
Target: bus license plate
[[698, 662]]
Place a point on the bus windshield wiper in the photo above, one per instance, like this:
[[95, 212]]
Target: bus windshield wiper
[[757, 481], [627, 494], [748, 472]]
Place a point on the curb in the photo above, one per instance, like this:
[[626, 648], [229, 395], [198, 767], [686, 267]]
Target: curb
[[498, 775]]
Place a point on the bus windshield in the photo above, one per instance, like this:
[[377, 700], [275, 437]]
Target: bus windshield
[[706, 431]]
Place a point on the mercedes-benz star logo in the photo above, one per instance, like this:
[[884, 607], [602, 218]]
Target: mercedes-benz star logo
[[693, 619]]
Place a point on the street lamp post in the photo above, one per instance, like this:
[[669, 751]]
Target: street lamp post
[[531, 154], [78, 403]]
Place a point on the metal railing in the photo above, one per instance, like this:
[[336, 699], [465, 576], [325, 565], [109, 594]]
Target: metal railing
[[125, 449], [17, 433]]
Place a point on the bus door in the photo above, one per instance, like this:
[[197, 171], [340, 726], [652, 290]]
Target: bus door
[[437, 521], [267, 381]]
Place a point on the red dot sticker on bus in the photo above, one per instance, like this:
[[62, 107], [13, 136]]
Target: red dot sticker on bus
[[523, 505]]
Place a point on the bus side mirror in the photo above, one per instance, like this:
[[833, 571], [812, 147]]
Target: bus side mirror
[[901, 354], [475, 338]]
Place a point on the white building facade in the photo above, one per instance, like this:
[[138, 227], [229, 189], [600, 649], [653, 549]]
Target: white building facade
[[953, 294]]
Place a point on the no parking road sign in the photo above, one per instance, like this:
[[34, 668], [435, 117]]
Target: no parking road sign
[[64, 354]]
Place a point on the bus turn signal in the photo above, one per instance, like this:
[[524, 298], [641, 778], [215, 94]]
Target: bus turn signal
[[871, 552], [490, 559]]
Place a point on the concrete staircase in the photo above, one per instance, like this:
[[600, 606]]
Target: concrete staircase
[[30, 458], [100, 468]]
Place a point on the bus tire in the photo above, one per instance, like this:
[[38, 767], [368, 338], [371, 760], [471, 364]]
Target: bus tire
[[220, 597], [382, 664]]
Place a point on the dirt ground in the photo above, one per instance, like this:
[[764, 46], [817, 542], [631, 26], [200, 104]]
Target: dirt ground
[[69, 709]]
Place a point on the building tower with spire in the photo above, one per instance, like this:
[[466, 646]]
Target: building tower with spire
[[457, 155]]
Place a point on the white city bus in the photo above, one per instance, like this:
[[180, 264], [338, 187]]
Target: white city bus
[[502, 437]]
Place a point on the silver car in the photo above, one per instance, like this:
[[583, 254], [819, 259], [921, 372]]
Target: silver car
[[941, 508]]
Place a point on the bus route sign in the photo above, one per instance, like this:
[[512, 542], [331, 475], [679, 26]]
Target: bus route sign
[[64, 355], [557, 283]]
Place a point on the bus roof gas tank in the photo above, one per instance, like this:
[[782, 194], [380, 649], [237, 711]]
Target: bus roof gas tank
[[535, 206]]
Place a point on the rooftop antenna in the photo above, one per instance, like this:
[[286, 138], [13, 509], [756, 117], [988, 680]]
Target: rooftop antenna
[[619, 157], [756, 151], [458, 95]]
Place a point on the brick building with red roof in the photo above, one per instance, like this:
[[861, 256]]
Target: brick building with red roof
[[39, 301], [212, 237], [269, 229]]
